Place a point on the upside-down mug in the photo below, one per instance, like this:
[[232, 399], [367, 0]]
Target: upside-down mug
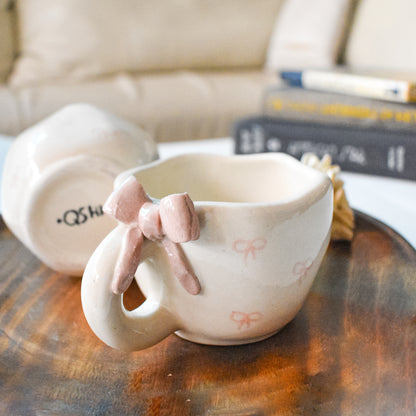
[[57, 175], [224, 249]]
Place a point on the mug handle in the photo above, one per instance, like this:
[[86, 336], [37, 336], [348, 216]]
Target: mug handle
[[118, 327]]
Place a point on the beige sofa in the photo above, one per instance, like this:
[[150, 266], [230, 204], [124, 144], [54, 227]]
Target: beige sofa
[[182, 69]]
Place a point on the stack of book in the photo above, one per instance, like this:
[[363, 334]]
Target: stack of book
[[366, 124]]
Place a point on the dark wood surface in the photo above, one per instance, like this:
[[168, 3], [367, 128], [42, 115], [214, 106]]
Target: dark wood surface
[[350, 351]]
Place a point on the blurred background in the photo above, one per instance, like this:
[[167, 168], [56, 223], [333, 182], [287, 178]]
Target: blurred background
[[184, 69]]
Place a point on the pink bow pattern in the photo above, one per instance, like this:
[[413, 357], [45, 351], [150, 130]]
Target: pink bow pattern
[[172, 221], [301, 268], [244, 319], [249, 247]]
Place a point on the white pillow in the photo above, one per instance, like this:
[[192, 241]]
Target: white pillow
[[308, 33], [81, 38], [383, 36]]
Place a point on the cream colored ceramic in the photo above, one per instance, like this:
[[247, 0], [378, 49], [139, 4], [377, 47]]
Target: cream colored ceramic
[[264, 222], [57, 175]]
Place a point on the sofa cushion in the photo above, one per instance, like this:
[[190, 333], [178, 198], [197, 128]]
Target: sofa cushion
[[382, 36], [7, 41], [10, 114], [78, 38], [171, 106], [308, 33]]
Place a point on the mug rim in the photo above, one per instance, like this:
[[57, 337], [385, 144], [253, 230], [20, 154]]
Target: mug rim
[[304, 198]]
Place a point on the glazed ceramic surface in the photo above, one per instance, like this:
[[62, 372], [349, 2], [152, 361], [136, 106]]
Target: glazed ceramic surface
[[58, 174], [264, 224]]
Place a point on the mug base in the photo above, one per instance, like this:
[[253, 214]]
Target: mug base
[[200, 339], [65, 219]]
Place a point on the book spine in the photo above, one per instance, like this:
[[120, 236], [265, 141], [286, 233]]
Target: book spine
[[353, 84], [307, 105], [360, 150]]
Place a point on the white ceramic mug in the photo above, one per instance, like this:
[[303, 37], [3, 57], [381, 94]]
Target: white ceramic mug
[[265, 225], [57, 175]]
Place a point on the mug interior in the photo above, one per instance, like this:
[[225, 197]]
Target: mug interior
[[265, 178]]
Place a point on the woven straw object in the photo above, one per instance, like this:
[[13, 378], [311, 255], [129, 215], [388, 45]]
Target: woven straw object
[[343, 218]]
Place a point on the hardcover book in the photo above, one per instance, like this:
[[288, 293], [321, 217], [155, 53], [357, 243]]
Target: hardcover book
[[368, 150], [390, 87], [300, 104]]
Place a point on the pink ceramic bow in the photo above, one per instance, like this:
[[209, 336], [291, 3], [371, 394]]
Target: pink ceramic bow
[[172, 221]]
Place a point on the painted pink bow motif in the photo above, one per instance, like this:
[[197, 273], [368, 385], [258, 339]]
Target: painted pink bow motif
[[248, 247], [245, 319], [301, 268], [172, 221]]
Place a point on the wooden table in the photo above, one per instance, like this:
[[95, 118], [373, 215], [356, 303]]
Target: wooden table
[[350, 351]]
